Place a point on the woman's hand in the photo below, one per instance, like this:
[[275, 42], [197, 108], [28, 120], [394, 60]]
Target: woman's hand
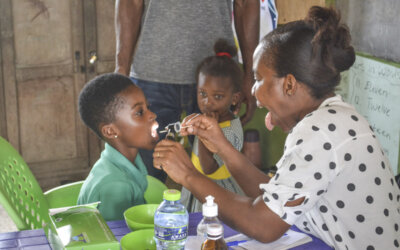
[[207, 130], [171, 157]]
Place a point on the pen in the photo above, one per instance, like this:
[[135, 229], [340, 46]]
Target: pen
[[235, 243]]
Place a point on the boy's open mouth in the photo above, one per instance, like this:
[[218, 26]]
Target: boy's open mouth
[[154, 130]]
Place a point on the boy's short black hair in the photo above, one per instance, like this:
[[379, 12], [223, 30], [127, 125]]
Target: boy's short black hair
[[99, 101]]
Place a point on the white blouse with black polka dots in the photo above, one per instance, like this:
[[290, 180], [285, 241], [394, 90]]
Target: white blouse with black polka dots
[[333, 159]]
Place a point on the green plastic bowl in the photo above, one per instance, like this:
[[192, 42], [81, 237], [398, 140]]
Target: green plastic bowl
[[140, 216], [140, 239]]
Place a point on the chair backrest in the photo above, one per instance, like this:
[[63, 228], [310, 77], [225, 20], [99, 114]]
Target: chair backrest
[[154, 191], [20, 193], [64, 195]]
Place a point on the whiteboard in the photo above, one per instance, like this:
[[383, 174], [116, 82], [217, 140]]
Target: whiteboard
[[373, 88]]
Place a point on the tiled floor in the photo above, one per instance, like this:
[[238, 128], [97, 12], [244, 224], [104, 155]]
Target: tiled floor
[[6, 224]]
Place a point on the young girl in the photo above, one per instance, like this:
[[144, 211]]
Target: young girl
[[116, 110], [219, 78]]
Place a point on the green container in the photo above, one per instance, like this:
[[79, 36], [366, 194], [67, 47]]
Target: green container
[[140, 239], [80, 227], [140, 216]]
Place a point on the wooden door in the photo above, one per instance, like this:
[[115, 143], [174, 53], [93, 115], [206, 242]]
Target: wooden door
[[46, 47]]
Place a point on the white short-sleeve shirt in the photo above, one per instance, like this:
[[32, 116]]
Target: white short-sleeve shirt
[[333, 159]]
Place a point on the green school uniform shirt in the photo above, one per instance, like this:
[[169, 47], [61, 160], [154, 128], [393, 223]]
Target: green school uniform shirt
[[116, 183]]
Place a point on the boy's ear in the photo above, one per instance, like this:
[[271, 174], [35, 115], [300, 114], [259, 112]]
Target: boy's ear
[[109, 131]]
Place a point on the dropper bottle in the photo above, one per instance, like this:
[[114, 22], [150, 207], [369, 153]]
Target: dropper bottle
[[215, 238], [210, 216]]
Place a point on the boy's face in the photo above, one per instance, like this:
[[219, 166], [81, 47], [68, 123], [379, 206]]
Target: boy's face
[[215, 95], [136, 124]]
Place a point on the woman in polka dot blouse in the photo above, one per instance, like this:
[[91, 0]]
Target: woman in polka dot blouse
[[333, 180]]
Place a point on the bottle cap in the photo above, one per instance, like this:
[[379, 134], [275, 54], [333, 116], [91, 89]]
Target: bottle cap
[[172, 195], [214, 229], [210, 208]]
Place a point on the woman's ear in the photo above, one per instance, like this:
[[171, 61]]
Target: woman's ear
[[109, 131], [290, 85]]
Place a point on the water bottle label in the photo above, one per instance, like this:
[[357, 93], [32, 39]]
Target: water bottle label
[[170, 234]]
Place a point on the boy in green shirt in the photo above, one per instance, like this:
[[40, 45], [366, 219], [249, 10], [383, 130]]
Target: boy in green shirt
[[116, 110]]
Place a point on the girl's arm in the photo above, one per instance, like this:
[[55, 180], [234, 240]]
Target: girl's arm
[[207, 161]]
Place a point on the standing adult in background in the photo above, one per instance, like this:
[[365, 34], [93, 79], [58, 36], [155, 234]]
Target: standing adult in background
[[160, 44]]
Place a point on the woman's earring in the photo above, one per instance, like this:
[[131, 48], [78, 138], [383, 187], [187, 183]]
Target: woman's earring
[[115, 136]]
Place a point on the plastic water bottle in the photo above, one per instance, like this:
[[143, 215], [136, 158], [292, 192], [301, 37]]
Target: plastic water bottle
[[210, 213], [171, 222]]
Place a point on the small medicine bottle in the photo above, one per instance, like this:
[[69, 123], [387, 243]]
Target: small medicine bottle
[[215, 238], [210, 213]]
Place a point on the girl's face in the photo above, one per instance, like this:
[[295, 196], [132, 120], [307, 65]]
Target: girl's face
[[135, 123], [215, 95], [269, 92]]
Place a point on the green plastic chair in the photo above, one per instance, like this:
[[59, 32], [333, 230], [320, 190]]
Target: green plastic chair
[[154, 191], [67, 195], [23, 198], [64, 195], [20, 193]]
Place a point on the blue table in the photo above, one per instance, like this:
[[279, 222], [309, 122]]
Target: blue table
[[36, 239]]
